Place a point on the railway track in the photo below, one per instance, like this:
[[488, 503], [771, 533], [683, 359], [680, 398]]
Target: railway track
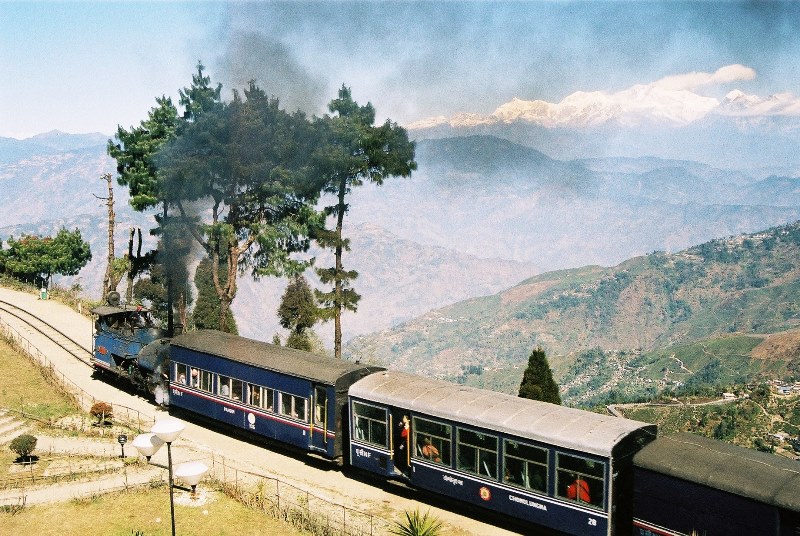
[[58, 337]]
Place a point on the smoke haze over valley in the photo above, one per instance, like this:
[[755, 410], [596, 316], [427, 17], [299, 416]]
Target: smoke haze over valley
[[479, 215]]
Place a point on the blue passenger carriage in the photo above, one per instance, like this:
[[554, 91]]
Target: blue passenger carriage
[[557, 467], [687, 484], [287, 395]]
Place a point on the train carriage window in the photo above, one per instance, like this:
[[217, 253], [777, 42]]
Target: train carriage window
[[369, 423], [224, 386], [236, 389], [293, 406], [260, 397], [206, 381], [431, 440], [180, 373], [320, 407], [477, 453], [580, 479], [253, 395], [525, 466], [268, 399]]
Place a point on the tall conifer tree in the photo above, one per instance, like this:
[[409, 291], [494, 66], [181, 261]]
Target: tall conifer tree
[[354, 151], [537, 381], [298, 313]]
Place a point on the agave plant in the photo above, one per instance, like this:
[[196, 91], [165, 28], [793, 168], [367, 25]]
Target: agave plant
[[416, 524]]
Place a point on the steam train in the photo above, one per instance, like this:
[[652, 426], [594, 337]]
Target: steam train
[[546, 466]]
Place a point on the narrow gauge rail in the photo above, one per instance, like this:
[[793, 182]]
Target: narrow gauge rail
[[57, 336]]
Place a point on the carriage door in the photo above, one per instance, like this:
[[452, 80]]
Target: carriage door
[[319, 419]]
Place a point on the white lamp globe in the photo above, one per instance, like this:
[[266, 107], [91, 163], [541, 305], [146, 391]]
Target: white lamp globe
[[147, 444], [191, 472], [168, 429]]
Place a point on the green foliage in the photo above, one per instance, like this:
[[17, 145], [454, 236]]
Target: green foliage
[[299, 341], [537, 380], [249, 160], [352, 151], [298, 308], [207, 307], [23, 445], [135, 149], [298, 312], [763, 445], [134, 152], [200, 96], [416, 524], [762, 394], [35, 259]]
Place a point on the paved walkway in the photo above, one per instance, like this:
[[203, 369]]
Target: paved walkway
[[65, 491]]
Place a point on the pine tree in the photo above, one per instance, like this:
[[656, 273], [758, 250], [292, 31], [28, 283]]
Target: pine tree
[[537, 381], [206, 310], [36, 259], [354, 152], [298, 312]]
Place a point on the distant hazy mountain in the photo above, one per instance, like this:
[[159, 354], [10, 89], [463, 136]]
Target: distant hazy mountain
[[490, 197], [480, 214], [49, 188], [49, 143], [674, 117], [398, 280]]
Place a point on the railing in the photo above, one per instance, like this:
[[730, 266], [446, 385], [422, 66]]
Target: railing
[[301, 508]]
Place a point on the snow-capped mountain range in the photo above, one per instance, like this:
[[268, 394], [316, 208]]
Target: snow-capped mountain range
[[672, 101]]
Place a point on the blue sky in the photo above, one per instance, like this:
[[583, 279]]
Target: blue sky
[[87, 67]]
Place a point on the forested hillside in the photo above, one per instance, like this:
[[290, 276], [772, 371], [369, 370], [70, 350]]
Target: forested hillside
[[708, 309]]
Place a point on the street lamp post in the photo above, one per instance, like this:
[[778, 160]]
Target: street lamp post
[[147, 444], [169, 430]]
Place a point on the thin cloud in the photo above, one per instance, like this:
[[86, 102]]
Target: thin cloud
[[694, 80]]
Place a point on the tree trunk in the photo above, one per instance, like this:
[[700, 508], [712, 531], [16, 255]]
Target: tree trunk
[[129, 291], [168, 273], [110, 203], [338, 302]]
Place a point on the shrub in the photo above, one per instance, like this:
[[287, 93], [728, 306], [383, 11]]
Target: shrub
[[416, 524], [101, 411], [23, 445]]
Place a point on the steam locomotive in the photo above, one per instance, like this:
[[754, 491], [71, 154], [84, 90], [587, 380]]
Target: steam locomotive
[[544, 465]]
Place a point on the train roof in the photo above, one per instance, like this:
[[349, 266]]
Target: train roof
[[269, 356], [107, 310], [539, 421], [745, 472]]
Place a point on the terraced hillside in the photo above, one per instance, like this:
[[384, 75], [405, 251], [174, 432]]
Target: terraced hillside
[[716, 302]]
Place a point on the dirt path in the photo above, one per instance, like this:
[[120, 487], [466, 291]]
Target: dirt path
[[197, 443]]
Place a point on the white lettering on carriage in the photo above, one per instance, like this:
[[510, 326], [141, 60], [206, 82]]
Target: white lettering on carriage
[[532, 504], [453, 481], [229, 410], [361, 453]]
